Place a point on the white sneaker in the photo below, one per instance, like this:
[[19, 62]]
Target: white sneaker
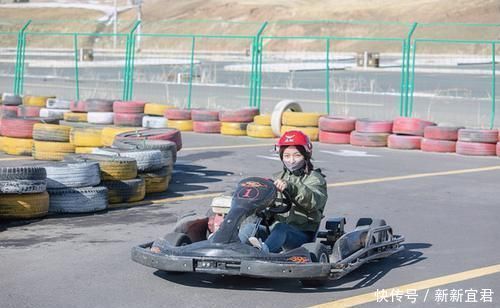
[[255, 242]]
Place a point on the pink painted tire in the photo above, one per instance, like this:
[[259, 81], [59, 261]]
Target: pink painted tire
[[404, 142], [178, 114], [17, 127], [99, 105], [369, 139], [336, 124], [441, 133], [128, 119], [373, 126], [476, 148], [78, 106], [9, 111], [207, 127], [244, 115], [202, 115], [28, 111], [478, 135], [498, 148], [438, 145], [410, 126], [334, 138], [128, 107], [170, 134]]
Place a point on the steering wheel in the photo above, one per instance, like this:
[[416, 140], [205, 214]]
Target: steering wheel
[[285, 206]]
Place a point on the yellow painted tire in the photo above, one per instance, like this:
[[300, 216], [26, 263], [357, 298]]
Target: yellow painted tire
[[45, 150], [311, 132], [17, 146], [108, 134], [259, 131], [156, 109], [36, 101], [51, 132], [233, 128], [24, 206], [75, 116], [1, 142], [182, 125], [132, 190], [86, 137], [155, 183], [85, 150], [263, 119], [113, 168], [301, 119]]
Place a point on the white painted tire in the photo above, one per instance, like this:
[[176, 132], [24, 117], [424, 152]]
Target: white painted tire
[[56, 103], [277, 114], [100, 117], [78, 200], [53, 113], [147, 160], [66, 175], [154, 122]]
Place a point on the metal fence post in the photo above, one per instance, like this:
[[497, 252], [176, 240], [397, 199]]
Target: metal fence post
[[127, 73], [190, 87], [493, 86], [412, 76], [409, 86], [20, 54], [75, 44], [258, 58], [402, 109], [328, 76]]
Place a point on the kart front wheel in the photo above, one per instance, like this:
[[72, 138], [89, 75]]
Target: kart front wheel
[[319, 255]]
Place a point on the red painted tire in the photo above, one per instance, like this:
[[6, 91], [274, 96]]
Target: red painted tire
[[129, 107], [476, 148], [478, 135], [369, 139], [373, 126], [498, 149], [170, 134], [441, 132], [334, 138], [212, 127], [99, 105], [404, 142], [128, 119], [410, 126], [239, 116], [336, 124], [79, 106], [9, 111], [201, 115], [437, 145], [18, 128], [178, 114], [28, 111]]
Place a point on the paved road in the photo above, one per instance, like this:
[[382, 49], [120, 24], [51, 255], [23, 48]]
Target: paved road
[[445, 205]]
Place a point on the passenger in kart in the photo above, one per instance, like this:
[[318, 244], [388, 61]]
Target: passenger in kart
[[306, 186]]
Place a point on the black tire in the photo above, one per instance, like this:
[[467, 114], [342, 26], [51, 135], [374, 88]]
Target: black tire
[[319, 254]]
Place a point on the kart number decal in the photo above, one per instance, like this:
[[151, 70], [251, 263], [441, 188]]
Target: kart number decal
[[249, 193]]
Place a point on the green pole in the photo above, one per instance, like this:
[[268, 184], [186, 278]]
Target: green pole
[[258, 77], [23, 61], [191, 64], [328, 76], [259, 71], [16, 68], [131, 69], [128, 62], [403, 81], [252, 75], [125, 69], [19, 69], [412, 77], [75, 44], [409, 85], [493, 87]]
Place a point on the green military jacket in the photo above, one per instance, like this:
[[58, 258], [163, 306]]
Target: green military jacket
[[309, 190]]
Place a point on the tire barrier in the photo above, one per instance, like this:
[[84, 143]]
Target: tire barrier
[[24, 206], [441, 133], [233, 128], [86, 137], [11, 100], [147, 160], [78, 106], [334, 138], [112, 167], [125, 191], [36, 101], [259, 131], [28, 111], [66, 175], [207, 127], [404, 142], [300, 119], [277, 114], [167, 147], [17, 146], [311, 132], [85, 150], [170, 134], [22, 180], [128, 119], [157, 181], [438, 145], [478, 135], [108, 134], [410, 126], [75, 117], [178, 114], [51, 132], [100, 117], [476, 148], [18, 128], [369, 139], [373, 126], [78, 199], [53, 113], [244, 115], [335, 124], [81, 124], [9, 111], [156, 109], [56, 103], [182, 125], [99, 105], [262, 119], [47, 150], [498, 148], [154, 122], [203, 115], [128, 107]]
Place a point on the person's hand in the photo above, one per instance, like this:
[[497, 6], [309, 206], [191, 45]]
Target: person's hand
[[280, 184]]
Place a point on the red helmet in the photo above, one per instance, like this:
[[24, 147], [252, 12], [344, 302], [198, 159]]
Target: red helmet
[[295, 137]]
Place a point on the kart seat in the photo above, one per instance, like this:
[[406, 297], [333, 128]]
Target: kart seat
[[349, 243]]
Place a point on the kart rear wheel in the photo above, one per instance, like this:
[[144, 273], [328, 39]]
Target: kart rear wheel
[[318, 255]]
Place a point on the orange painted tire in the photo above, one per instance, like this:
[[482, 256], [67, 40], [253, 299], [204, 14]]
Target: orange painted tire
[[476, 148], [441, 133], [410, 126], [437, 145], [369, 139], [178, 114], [373, 126], [202, 115], [28, 111], [18, 128], [210, 127], [128, 119], [478, 135], [129, 107], [404, 142], [336, 124], [334, 138], [244, 115], [79, 106]]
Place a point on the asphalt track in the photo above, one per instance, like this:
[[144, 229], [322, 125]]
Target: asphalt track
[[446, 205]]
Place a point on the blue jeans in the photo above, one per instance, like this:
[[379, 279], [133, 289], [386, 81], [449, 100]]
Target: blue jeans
[[282, 236]]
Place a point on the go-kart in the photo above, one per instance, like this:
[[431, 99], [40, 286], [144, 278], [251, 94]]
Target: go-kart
[[192, 247]]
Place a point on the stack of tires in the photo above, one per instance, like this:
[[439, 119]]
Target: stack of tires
[[260, 127], [205, 121], [407, 133], [153, 115], [23, 192], [108, 134], [55, 108], [235, 122], [99, 111], [371, 133], [18, 135], [51, 141], [72, 187], [336, 130], [31, 106], [128, 113], [10, 105], [179, 119], [306, 122], [477, 142], [440, 139], [86, 140], [78, 113]]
